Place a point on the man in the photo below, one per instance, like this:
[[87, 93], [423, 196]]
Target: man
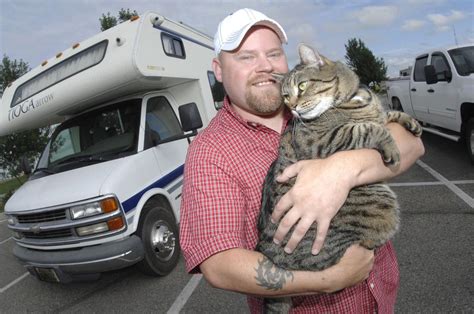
[[225, 169]]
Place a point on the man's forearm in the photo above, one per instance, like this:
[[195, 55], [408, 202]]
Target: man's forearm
[[252, 273], [370, 165]]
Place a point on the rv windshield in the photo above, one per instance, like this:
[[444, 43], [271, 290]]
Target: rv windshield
[[463, 60], [96, 136]]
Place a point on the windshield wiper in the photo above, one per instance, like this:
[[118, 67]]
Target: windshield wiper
[[45, 170], [82, 158]]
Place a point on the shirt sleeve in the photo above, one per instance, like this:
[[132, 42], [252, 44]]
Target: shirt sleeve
[[212, 206]]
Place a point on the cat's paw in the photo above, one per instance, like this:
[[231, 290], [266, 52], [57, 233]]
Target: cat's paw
[[413, 126], [391, 157]]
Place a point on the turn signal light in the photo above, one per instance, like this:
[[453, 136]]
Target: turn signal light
[[115, 224]]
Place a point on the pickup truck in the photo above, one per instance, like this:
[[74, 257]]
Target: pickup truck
[[440, 93]]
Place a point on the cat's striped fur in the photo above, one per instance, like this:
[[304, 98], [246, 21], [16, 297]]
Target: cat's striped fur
[[332, 113]]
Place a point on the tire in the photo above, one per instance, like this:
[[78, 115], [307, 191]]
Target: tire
[[469, 136], [159, 233], [396, 105]]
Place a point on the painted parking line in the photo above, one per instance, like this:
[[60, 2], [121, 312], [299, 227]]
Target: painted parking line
[[430, 183], [185, 294], [6, 240], [14, 282], [450, 185]]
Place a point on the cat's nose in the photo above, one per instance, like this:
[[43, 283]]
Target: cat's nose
[[292, 101]]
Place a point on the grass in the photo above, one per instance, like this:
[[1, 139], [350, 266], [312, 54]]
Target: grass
[[9, 185]]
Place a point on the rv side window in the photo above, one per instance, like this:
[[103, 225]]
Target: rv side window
[[173, 46], [161, 121], [61, 71], [217, 89]]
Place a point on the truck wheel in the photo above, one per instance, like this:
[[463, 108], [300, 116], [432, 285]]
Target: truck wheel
[[470, 139], [396, 105], [159, 233]]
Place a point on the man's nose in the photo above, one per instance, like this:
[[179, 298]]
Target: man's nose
[[264, 65]]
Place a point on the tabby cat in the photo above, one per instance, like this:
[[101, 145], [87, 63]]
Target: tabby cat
[[332, 113]]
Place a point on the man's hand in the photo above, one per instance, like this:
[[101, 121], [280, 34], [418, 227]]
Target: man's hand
[[320, 190]]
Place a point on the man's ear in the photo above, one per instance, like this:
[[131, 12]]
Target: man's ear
[[216, 67]]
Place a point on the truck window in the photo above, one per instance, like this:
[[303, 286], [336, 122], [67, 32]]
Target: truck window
[[161, 119], [217, 89], [438, 60], [419, 73], [173, 46], [463, 59]]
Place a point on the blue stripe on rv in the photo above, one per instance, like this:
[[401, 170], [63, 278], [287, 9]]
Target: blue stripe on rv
[[132, 202]]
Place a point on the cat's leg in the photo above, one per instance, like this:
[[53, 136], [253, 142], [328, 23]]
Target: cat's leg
[[371, 135], [405, 120]]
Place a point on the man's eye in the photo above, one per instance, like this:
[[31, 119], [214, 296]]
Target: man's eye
[[275, 55], [245, 57]]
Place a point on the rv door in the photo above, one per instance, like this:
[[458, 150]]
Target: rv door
[[162, 123]]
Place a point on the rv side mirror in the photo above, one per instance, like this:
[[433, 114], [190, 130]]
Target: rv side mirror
[[25, 165], [190, 117], [430, 74]]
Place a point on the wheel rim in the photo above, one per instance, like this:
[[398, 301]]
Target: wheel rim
[[163, 240]]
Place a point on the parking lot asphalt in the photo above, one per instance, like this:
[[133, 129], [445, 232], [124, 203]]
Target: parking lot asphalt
[[434, 248]]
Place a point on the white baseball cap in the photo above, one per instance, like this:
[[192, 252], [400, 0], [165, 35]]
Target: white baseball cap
[[232, 29]]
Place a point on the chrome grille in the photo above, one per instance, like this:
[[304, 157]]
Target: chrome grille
[[54, 215]]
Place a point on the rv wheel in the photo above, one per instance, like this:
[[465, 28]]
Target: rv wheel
[[159, 233], [470, 139]]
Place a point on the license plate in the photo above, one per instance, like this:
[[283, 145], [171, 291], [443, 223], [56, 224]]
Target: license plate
[[47, 274]]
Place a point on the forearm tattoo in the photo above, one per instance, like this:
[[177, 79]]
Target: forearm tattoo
[[270, 276]]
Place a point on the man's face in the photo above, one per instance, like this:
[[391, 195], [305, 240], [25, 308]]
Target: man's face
[[246, 72]]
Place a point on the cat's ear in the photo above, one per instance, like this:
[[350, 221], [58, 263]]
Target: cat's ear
[[311, 57], [278, 77]]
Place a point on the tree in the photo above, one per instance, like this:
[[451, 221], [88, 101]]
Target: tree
[[108, 21], [26, 144], [11, 70], [371, 70]]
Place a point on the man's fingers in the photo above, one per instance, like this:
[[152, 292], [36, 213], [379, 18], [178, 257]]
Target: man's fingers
[[323, 226], [281, 207], [284, 226], [289, 172], [298, 233]]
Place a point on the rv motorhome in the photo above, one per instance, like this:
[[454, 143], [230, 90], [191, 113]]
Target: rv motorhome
[[105, 192]]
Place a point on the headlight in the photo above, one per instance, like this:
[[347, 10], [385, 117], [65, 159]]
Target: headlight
[[91, 209], [92, 229], [10, 219], [110, 225]]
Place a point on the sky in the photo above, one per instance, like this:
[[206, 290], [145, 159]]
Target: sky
[[397, 31]]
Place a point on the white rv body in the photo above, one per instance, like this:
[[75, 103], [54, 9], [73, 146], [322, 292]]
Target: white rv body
[[106, 191]]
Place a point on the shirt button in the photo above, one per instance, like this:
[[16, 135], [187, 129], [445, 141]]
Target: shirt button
[[372, 286]]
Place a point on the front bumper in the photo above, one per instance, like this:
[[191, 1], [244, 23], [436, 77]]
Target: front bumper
[[81, 264]]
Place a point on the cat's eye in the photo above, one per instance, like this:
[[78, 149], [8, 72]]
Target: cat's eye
[[286, 99], [302, 86]]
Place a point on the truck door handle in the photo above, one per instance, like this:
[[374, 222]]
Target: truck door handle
[[430, 90], [413, 89]]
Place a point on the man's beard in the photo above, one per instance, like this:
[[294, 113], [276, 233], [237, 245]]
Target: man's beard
[[266, 102]]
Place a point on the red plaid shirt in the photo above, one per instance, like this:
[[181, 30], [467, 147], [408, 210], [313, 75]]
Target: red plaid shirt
[[224, 172]]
